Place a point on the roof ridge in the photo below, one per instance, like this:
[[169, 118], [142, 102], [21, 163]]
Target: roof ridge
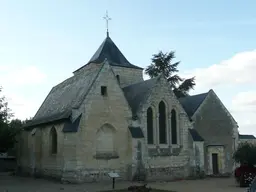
[[138, 92], [88, 90], [191, 103], [140, 82], [195, 94]]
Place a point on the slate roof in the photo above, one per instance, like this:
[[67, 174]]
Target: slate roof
[[64, 97], [66, 115], [70, 126], [195, 135], [246, 137], [136, 93], [136, 132], [109, 50], [191, 103]]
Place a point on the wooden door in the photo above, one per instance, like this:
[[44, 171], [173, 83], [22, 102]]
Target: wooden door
[[215, 166]]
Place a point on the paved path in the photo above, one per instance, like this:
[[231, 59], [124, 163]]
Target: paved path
[[206, 185], [22, 184]]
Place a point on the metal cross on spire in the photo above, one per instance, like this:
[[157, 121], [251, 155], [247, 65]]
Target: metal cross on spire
[[107, 18]]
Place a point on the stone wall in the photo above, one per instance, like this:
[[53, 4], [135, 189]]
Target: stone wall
[[165, 161], [215, 124], [35, 158], [98, 110], [166, 173], [199, 153], [128, 76], [79, 158], [219, 150]]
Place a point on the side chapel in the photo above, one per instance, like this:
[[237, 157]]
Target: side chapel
[[107, 118]]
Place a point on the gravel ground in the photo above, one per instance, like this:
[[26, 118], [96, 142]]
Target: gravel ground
[[25, 184]]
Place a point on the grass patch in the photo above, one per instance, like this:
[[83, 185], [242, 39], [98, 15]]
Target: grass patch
[[126, 190]]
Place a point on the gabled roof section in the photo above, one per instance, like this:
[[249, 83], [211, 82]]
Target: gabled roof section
[[191, 103], [195, 135], [70, 126], [64, 97], [108, 50], [136, 132], [137, 93], [65, 116], [246, 137]]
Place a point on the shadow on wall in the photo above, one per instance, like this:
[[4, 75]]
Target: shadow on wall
[[7, 163]]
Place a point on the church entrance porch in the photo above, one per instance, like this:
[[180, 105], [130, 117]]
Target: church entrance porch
[[215, 159]]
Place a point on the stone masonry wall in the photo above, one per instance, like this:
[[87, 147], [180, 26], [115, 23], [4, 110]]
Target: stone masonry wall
[[111, 110], [221, 159], [76, 160], [128, 76], [215, 125], [165, 161], [35, 157]]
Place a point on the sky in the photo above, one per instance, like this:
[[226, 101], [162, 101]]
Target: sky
[[43, 41]]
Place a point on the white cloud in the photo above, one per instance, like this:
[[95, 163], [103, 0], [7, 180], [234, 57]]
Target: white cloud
[[245, 100], [244, 108], [238, 70], [228, 77]]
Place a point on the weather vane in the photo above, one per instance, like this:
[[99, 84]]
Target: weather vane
[[107, 18]]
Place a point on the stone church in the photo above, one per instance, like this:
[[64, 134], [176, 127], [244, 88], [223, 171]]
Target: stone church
[[106, 118]]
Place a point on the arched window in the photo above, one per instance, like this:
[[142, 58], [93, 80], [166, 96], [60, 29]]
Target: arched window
[[150, 134], [105, 139], [118, 78], [162, 123], [174, 127], [54, 141]]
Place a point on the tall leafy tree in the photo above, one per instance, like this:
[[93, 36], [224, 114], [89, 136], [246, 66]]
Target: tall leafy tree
[[163, 63], [8, 129]]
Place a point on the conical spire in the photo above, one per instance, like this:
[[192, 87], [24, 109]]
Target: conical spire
[[109, 50]]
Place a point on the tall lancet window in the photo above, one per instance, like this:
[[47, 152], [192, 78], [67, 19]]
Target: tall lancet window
[[150, 129], [174, 127], [54, 141], [118, 78], [162, 123]]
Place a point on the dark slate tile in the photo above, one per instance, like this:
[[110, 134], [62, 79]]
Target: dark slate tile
[[64, 97], [246, 137], [195, 135], [108, 50], [49, 119], [137, 93], [136, 132], [72, 126], [191, 103]]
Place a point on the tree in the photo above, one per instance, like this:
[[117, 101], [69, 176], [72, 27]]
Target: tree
[[245, 153], [162, 63], [8, 129]]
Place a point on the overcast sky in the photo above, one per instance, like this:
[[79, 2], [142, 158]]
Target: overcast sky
[[43, 42]]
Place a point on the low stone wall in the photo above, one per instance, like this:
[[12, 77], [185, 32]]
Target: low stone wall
[[93, 175], [167, 173], [99, 175], [73, 176]]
